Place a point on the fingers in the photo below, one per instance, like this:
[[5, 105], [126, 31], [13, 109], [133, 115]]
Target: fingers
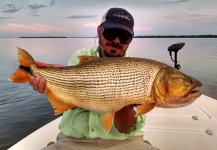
[[56, 65], [74, 108], [44, 65], [131, 106], [38, 84], [40, 64]]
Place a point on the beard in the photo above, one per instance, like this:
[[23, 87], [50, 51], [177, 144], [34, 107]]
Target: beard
[[117, 50]]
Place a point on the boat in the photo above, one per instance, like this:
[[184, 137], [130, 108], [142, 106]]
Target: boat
[[193, 127]]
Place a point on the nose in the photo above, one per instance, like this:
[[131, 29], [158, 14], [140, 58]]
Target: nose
[[117, 40]]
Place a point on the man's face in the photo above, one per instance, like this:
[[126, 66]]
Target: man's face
[[111, 48]]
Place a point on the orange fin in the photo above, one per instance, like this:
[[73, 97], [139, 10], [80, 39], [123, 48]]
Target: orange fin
[[19, 76], [24, 58], [84, 59], [107, 121], [58, 104], [144, 108]]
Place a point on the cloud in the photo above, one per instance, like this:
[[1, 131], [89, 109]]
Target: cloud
[[180, 1], [35, 28], [10, 5], [6, 17], [36, 6], [179, 16], [193, 18], [52, 3], [142, 28], [35, 13], [175, 2], [81, 16], [92, 25], [10, 8]]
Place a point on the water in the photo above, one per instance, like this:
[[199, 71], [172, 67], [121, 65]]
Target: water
[[23, 110]]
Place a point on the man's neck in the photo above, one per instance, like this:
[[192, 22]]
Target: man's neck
[[101, 53]]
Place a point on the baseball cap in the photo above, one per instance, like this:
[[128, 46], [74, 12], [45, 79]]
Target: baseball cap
[[118, 18]]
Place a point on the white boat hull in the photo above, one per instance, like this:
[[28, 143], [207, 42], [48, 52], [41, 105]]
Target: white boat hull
[[167, 129]]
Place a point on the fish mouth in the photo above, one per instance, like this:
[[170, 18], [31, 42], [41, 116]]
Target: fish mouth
[[194, 93]]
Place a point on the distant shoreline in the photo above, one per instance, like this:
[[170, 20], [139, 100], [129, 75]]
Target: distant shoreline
[[176, 36], [42, 37], [140, 36]]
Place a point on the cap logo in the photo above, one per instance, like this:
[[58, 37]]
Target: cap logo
[[121, 15]]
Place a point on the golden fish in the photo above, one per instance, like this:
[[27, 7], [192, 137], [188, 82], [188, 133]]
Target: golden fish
[[108, 84]]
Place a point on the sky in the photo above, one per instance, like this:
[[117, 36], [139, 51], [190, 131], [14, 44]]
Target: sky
[[79, 18]]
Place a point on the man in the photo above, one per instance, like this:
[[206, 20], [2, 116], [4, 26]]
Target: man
[[80, 128]]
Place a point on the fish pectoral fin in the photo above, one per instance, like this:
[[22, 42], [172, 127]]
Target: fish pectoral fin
[[19, 76], [58, 104], [144, 108], [84, 59], [107, 121]]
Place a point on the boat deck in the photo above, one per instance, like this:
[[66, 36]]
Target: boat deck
[[188, 128], [193, 127]]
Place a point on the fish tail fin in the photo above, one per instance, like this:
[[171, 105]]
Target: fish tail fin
[[19, 76], [25, 60]]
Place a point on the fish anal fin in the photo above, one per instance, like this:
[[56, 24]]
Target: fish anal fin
[[84, 59], [19, 76], [144, 108], [107, 121], [24, 58], [57, 103]]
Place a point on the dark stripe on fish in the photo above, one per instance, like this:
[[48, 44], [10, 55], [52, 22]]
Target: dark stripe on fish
[[27, 69]]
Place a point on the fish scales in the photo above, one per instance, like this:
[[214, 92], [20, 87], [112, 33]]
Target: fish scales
[[101, 81], [109, 84]]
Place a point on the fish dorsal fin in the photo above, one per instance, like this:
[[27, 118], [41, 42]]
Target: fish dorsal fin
[[84, 59]]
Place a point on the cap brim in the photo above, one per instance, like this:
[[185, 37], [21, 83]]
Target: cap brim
[[108, 25]]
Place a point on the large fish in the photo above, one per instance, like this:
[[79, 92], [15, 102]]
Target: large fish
[[108, 84]]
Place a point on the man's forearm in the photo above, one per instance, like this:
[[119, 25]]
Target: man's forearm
[[125, 118]]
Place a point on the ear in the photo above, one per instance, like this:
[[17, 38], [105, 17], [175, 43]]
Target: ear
[[98, 31]]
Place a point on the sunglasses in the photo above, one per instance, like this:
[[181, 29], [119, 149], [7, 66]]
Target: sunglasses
[[112, 34]]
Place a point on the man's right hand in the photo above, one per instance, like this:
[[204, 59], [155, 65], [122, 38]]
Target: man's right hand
[[37, 82]]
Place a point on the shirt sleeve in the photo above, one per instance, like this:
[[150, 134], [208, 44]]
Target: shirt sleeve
[[91, 51], [74, 59]]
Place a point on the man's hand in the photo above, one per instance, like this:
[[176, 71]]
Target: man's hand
[[38, 83]]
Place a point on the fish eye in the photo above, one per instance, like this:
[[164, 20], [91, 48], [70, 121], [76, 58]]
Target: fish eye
[[190, 81]]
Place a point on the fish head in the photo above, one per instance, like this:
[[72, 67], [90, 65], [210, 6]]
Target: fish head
[[175, 89]]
